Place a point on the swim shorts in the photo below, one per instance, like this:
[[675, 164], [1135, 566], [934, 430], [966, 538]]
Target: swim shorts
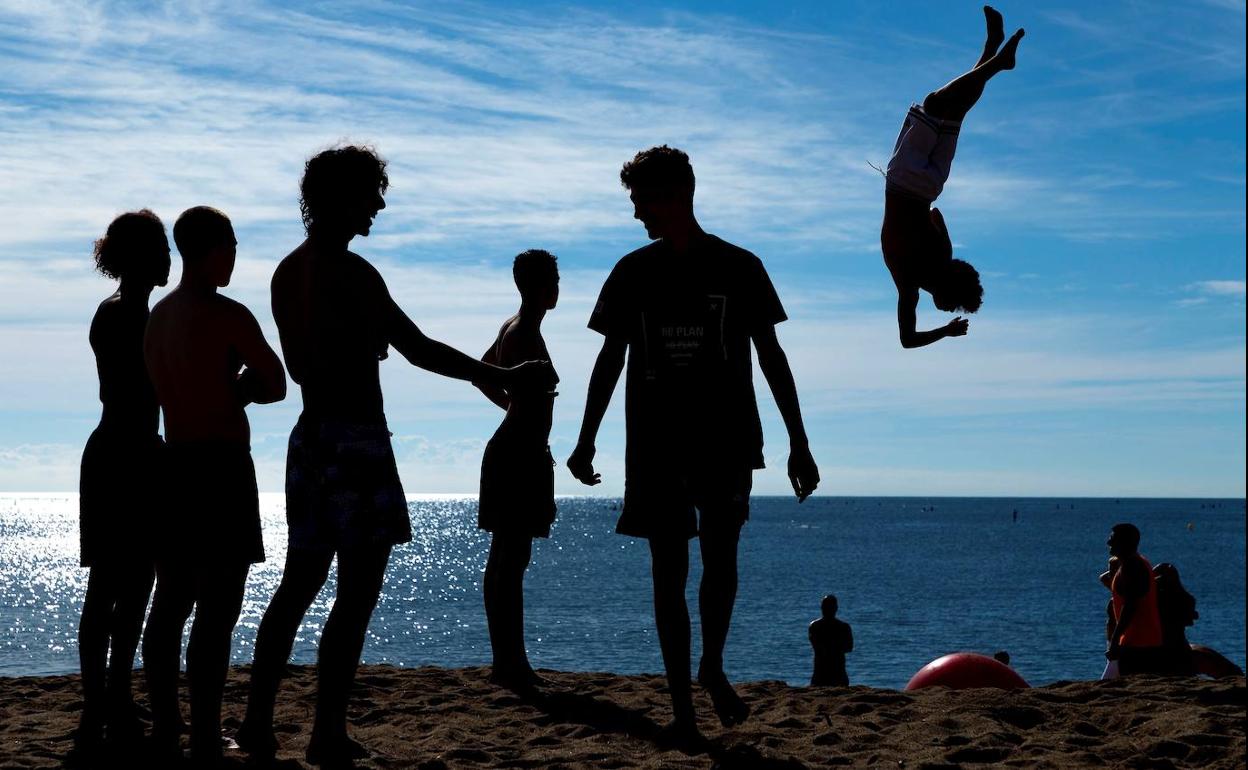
[[212, 511], [342, 487], [922, 155], [664, 501], [517, 488], [118, 490]]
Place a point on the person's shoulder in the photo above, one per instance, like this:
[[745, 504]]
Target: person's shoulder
[[232, 309], [724, 250]]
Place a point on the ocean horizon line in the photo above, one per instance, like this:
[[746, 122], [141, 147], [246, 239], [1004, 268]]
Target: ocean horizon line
[[422, 496]]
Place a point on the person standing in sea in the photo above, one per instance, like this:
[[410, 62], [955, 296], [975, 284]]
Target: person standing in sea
[[517, 500], [686, 308], [336, 321], [118, 483], [208, 360]]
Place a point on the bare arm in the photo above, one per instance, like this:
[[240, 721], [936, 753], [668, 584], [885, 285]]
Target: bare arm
[[495, 393], [264, 379], [279, 297], [602, 381], [907, 320], [803, 474]]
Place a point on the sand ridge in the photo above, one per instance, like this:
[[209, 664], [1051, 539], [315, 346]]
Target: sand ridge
[[433, 718]]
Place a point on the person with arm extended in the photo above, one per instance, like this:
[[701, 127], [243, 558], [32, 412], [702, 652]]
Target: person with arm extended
[[118, 483], [686, 309], [336, 321], [913, 236], [208, 360]]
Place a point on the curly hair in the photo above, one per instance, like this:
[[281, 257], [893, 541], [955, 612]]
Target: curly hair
[[533, 269], [130, 239], [957, 288], [660, 167], [336, 176]]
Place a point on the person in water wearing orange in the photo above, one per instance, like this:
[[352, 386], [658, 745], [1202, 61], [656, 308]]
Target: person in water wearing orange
[[1136, 641]]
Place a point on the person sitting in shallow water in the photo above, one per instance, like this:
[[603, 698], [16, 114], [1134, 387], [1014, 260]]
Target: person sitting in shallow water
[[913, 236], [116, 486], [831, 639], [517, 501]]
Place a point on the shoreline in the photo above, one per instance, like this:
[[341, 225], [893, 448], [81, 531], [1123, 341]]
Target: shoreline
[[448, 718]]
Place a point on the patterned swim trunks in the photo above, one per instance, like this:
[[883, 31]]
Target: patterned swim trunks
[[342, 487]]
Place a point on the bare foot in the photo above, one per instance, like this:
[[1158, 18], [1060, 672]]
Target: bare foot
[[996, 29], [682, 735], [729, 707], [1004, 60]]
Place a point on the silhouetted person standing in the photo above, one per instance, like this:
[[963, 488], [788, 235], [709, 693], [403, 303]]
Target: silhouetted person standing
[[208, 359], [517, 500], [831, 639], [686, 308], [913, 237], [337, 320], [1136, 641], [120, 475]]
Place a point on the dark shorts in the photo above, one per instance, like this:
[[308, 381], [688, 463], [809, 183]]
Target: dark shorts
[[517, 488], [118, 490], [665, 502], [212, 510], [343, 488], [1143, 660]]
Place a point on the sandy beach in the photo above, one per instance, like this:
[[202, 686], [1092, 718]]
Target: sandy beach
[[437, 718]]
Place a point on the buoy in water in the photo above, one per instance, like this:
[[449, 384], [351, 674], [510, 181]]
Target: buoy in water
[[963, 670]]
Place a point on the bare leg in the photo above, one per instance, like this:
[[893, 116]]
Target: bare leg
[[360, 575], [219, 599], [954, 99], [93, 631], [669, 563], [503, 591], [162, 650], [134, 588], [302, 579], [716, 597]]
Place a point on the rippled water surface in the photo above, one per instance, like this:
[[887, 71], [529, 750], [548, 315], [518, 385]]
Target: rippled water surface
[[916, 578]]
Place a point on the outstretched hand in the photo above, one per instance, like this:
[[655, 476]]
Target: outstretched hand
[[957, 327], [581, 463], [803, 474]]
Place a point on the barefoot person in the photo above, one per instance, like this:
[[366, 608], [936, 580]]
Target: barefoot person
[[116, 495], [913, 237], [208, 359], [686, 308], [831, 639], [517, 501], [336, 321]]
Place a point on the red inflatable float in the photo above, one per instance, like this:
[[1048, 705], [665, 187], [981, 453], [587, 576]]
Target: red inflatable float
[[962, 670]]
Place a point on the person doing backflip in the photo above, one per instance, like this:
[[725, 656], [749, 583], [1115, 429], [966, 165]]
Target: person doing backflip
[[913, 236]]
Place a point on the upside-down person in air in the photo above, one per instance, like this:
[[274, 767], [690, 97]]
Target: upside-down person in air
[[913, 236]]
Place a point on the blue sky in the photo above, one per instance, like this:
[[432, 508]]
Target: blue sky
[[1099, 188]]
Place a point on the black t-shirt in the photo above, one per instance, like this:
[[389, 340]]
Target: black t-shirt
[[688, 319]]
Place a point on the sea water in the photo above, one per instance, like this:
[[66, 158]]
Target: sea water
[[916, 578]]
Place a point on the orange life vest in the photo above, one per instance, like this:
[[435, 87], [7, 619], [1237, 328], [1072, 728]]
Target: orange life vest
[[1144, 630]]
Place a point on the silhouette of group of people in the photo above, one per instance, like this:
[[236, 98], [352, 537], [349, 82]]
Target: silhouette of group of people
[[679, 318]]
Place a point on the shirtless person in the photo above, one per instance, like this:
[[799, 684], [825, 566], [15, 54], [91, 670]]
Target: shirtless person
[[517, 501], [337, 320], [687, 308], [913, 236], [831, 639], [207, 359]]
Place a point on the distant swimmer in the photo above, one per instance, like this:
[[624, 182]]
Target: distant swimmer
[[831, 639], [116, 499], [1002, 657], [913, 237]]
